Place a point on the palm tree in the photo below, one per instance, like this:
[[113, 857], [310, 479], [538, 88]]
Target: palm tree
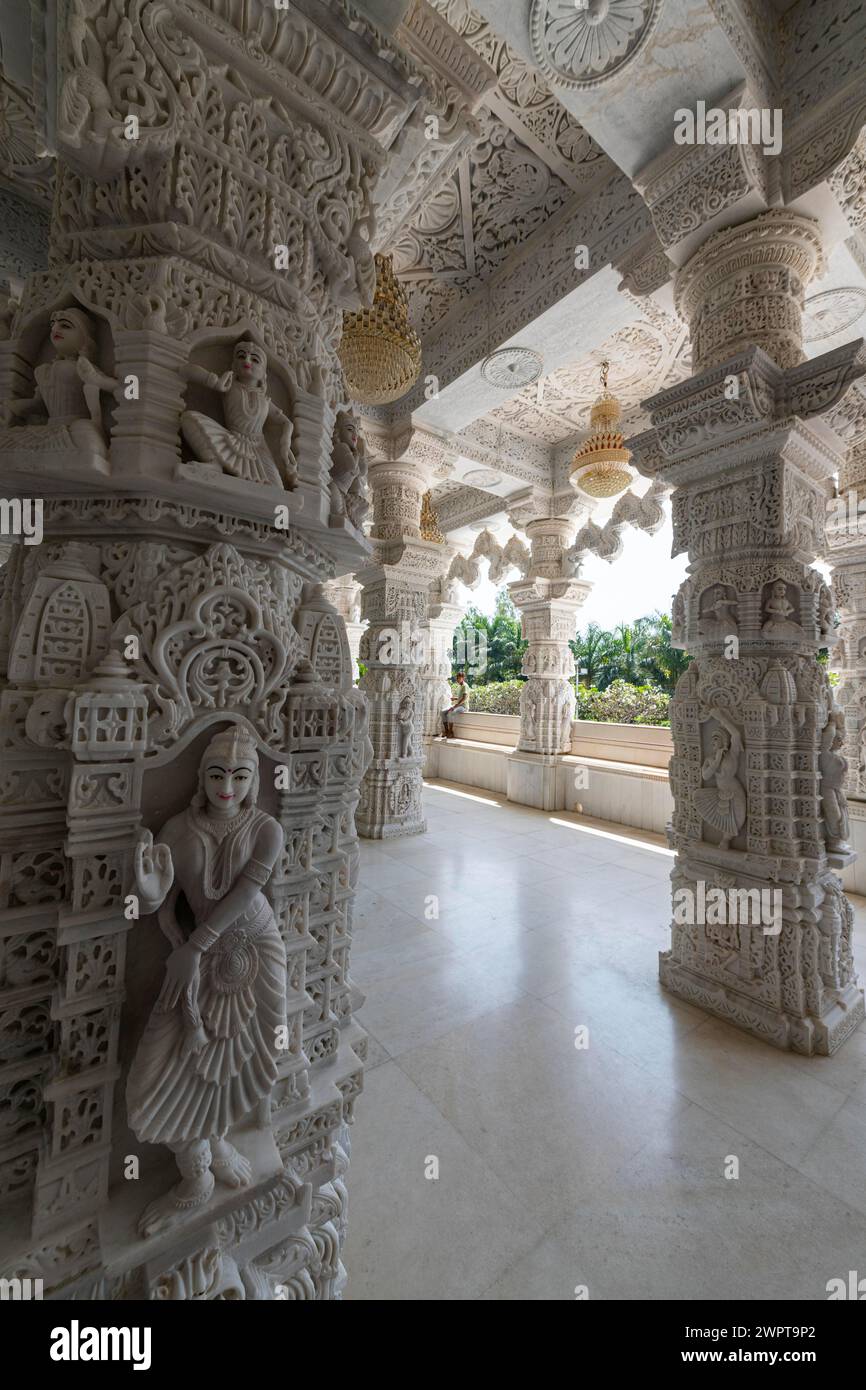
[[493, 646], [666, 662], [592, 653], [629, 654]]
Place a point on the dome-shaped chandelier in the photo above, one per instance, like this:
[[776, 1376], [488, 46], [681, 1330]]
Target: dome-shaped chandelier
[[380, 352], [600, 467]]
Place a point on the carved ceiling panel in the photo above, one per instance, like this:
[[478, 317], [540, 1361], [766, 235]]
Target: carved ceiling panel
[[530, 159], [526, 103], [500, 193], [644, 357]]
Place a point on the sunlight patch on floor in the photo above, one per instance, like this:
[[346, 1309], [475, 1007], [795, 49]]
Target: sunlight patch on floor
[[466, 796], [630, 840]]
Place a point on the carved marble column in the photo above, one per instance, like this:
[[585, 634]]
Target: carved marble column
[[756, 775], [548, 601], [394, 603], [176, 400], [846, 553], [443, 619]]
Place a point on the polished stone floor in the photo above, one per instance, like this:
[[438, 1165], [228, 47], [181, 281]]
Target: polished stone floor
[[562, 1167]]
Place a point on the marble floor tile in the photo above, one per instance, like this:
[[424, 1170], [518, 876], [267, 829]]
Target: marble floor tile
[[582, 1115], [467, 1227], [685, 1231]]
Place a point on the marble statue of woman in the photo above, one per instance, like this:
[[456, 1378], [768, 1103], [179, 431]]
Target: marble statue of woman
[[779, 609], [68, 390], [405, 723], [348, 470], [724, 804], [208, 1053], [239, 446], [833, 767]]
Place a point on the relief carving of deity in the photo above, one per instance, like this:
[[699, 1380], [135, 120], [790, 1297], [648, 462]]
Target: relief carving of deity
[[719, 618], [68, 391], [349, 470], [777, 613], [239, 446], [208, 1053], [834, 767], [405, 727]]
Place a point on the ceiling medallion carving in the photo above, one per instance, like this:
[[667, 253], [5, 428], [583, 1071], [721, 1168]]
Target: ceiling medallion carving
[[580, 46], [832, 312], [482, 477], [511, 368]]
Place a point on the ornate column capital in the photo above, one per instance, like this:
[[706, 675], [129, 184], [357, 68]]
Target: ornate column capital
[[708, 182], [746, 285]]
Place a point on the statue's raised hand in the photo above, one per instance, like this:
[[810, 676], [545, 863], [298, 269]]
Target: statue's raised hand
[[154, 872]]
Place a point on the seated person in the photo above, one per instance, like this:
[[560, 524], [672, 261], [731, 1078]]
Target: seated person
[[458, 706]]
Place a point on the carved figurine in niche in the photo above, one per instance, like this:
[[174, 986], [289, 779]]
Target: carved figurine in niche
[[239, 446], [348, 470], [678, 617], [833, 767], [528, 704], [777, 613], [724, 804], [405, 722], [68, 391], [826, 614], [719, 618], [208, 1054], [565, 713]]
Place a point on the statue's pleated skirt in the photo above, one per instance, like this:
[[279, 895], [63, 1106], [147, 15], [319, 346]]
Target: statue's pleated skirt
[[179, 1090]]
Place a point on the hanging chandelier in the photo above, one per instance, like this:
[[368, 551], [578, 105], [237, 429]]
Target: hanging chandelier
[[600, 467], [380, 352], [429, 521]]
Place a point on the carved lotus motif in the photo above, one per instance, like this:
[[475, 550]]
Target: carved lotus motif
[[581, 45]]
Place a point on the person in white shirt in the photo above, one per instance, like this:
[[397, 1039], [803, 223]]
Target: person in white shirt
[[458, 706]]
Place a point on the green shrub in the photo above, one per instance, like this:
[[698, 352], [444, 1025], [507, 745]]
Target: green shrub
[[622, 703], [499, 697]]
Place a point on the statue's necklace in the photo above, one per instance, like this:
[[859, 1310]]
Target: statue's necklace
[[219, 869]]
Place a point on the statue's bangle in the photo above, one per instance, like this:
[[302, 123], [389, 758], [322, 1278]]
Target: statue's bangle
[[203, 938]]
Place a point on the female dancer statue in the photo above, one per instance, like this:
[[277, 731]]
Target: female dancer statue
[[239, 446], [208, 1053], [723, 805]]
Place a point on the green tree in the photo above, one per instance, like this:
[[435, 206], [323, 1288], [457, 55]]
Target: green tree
[[490, 649], [666, 662], [629, 654], [592, 654]]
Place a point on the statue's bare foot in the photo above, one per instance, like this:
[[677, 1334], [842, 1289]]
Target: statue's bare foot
[[174, 1206], [230, 1166]]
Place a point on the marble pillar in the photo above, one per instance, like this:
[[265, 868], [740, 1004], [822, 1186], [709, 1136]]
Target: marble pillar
[[174, 390], [548, 601], [760, 824], [394, 603]]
